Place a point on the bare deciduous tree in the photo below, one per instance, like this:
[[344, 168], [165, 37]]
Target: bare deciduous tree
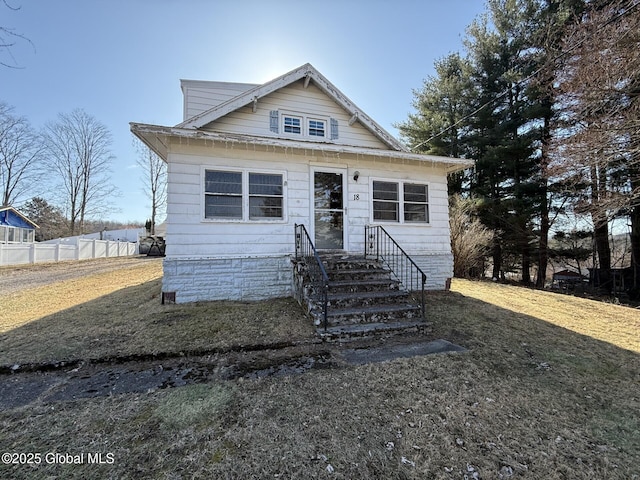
[[20, 156], [8, 39], [78, 146], [154, 178], [470, 239], [598, 144]]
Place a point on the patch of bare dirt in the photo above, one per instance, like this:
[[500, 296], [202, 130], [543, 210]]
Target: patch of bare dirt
[[89, 379], [97, 379]]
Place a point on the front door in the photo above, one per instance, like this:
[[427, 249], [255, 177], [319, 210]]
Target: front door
[[328, 209]]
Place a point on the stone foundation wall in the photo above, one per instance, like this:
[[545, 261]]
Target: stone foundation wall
[[257, 278], [437, 267], [261, 278]]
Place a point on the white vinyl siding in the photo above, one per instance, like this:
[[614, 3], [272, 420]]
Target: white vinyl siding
[[190, 235], [298, 101], [200, 96]]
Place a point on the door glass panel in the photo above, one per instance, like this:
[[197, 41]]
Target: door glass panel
[[328, 190], [329, 212], [328, 228]]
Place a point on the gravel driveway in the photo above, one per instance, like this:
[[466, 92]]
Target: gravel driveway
[[20, 277]]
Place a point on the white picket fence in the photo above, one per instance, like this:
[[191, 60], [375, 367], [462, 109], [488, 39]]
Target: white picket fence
[[79, 249]]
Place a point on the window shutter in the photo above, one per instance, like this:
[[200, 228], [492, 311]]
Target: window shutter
[[273, 121], [334, 129]]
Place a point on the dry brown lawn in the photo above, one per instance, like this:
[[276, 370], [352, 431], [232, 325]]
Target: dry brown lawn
[[30, 305], [118, 313], [615, 324], [547, 390]]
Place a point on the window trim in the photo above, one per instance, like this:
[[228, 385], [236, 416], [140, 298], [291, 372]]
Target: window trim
[[401, 201], [264, 195], [425, 203], [234, 195], [305, 127], [325, 127], [395, 202], [245, 218], [301, 126], [16, 235]]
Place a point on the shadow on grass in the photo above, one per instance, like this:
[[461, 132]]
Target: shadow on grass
[[545, 358], [132, 321], [515, 343], [530, 400]]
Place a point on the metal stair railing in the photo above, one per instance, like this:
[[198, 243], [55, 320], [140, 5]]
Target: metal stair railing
[[380, 244], [306, 251]]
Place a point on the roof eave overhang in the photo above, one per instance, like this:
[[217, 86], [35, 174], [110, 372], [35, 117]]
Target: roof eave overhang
[[158, 138], [150, 135]]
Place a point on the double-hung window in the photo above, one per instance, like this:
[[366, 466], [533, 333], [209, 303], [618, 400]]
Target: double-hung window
[[303, 125], [385, 201], [243, 195], [317, 128], [223, 194], [401, 202], [416, 202], [292, 124], [265, 196]]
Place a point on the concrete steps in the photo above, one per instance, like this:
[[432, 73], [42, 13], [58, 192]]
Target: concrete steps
[[362, 295]]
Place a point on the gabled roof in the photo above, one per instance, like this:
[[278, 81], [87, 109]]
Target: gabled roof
[[309, 73], [567, 274], [5, 218]]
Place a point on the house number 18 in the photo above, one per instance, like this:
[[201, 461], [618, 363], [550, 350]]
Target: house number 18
[[356, 196]]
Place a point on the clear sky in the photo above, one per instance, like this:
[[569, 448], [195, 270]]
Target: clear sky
[[122, 60]]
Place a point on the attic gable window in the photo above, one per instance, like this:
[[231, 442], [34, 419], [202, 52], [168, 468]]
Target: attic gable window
[[292, 125], [317, 128], [303, 125]]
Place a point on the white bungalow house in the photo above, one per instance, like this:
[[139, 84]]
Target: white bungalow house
[[249, 162]]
